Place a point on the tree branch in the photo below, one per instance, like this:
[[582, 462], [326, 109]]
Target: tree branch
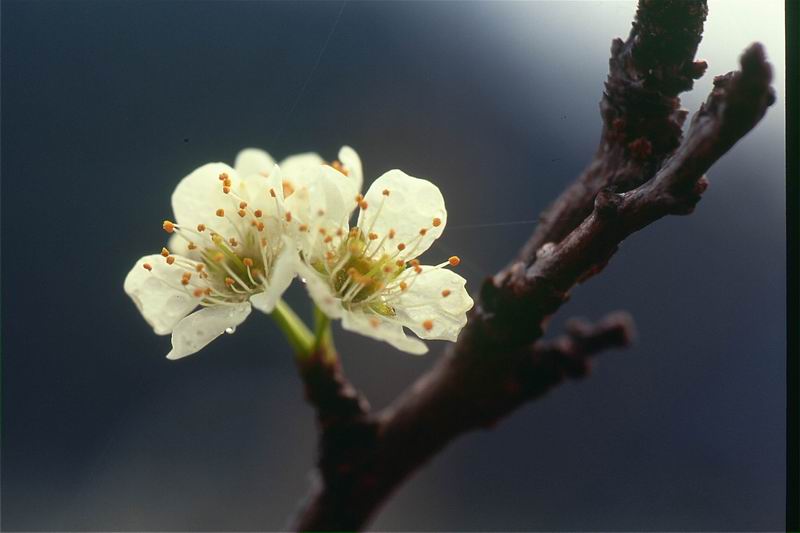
[[642, 171]]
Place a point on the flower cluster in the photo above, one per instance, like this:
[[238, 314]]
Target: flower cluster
[[242, 234]]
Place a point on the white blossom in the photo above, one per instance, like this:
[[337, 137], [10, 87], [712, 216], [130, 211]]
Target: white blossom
[[228, 252], [368, 275]]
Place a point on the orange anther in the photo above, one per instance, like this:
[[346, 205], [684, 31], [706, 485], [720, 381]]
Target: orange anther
[[242, 205], [201, 227], [223, 176], [198, 293], [414, 262], [423, 231], [303, 227], [260, 226], [400, 263], [148, 266], [288, 216], [242, 212], [272, 192], [220, 212], [339, 232], [454, 261], [403, 285], [327, 239], [428, 325], [168, 226], [388, 268], [164, 252], [247, 262], [227, 183], [207, 291], [226, 190], [363, 204], [288, 188], [392, 234], [359, 198], [386, 192], [446, 293], [170, 259], [258, 213], [233, 241], [192, 246], [199, 267], [373, 236], [437, 222], [417, 269], [229, 281], [401, 246], [184, 281], [374, 322], [218, 257]]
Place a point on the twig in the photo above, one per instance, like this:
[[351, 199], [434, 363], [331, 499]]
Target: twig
[[642, 171]]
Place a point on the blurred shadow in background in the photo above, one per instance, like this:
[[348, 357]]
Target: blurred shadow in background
[[106, 105]]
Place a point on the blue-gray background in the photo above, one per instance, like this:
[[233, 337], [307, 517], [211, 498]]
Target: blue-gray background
[[106, 105]]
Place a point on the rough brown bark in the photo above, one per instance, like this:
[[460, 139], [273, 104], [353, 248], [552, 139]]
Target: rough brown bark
[[643, 170]]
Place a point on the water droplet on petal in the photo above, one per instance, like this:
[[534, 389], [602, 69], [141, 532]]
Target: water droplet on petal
[[230, 330]]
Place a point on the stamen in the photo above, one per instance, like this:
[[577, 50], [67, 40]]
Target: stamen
[[258, 213], [148, 267], [199, 267], [428, 325], [168, 226], [454, 261], [363, 205], [385, 192], [223, 176], [170, 259], [392, 234], [192, 246], [403, 285], [229, 281], [220, 212], [446, 293], [198, 293], [373, 236], [226, 189], [247, 262], [164, 252], [423, 231], [272, 193], [241, 213], [288, 216], [201, 227], [242, 205], [401, 246], [437, 222]]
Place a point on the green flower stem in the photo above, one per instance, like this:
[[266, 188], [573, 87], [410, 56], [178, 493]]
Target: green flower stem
[[297, 333], [323, 339]]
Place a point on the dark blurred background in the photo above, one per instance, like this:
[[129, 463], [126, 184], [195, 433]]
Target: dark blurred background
[[106, 105]]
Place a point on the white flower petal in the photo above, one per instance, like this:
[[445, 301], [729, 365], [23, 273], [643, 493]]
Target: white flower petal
[[411, 206], [379, 328], [158, 293], [253, 161], [299, 169], [436, 295], [320, 291], [198, 196], [352, 163], [282, 273], [198, 329], [177, 245]]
